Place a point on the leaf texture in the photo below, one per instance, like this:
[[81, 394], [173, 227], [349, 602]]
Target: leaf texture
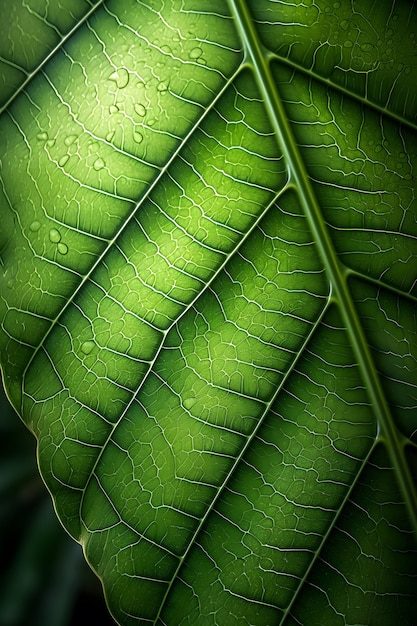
[[208, 290]]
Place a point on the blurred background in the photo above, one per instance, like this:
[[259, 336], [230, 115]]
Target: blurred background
[[44, 580]]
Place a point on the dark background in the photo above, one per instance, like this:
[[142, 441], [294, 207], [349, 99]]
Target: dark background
[[44, 579]]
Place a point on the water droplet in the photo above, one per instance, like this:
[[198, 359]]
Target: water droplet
[[195, 53], [140, 110], [120, 77], [189, 402], [50, 143], [54, 235], [113, 109], [162, 87], [42, 136], [110, 135], [35, 226], [63, 160], [62, 248], [201, 61], [138, 137], [348, 43], [152, 122], [165, 48], [344, 24], [366, 47], [70, 140], [99, 164], [87, 347]]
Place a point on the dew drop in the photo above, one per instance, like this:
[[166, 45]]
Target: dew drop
[[63, 160], [42, 136], [189, 402], [138, 137], [62, 248], [165, 48], [140, 110], [195, 53], [54, 235], [113, 109], [87, 347], [366, 47], [99, 164], [70, 140], [162, 87], [348, 44], [93, 146], [50, 143], [35, 226], [344, 24], [120, 77], [110, 135]]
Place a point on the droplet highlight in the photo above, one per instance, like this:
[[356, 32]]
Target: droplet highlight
[[54, 235], [35, 226], [189, 403], [138, 137], [195, 53], [140, 110], [120, 77], [68, 141], [99, 164], [87, 347], [63, 160], [62, 248]]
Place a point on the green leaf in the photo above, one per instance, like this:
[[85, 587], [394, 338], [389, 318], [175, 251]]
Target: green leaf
[[208, 300]]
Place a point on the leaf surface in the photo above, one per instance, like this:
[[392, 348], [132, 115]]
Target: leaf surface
[[208, 291]]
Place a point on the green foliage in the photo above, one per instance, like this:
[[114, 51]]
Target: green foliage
[[208, 290]]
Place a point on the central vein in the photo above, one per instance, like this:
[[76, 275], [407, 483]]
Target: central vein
[[257, 56]]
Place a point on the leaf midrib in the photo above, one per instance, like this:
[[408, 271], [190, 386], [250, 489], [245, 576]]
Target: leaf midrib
[[259, 59]]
